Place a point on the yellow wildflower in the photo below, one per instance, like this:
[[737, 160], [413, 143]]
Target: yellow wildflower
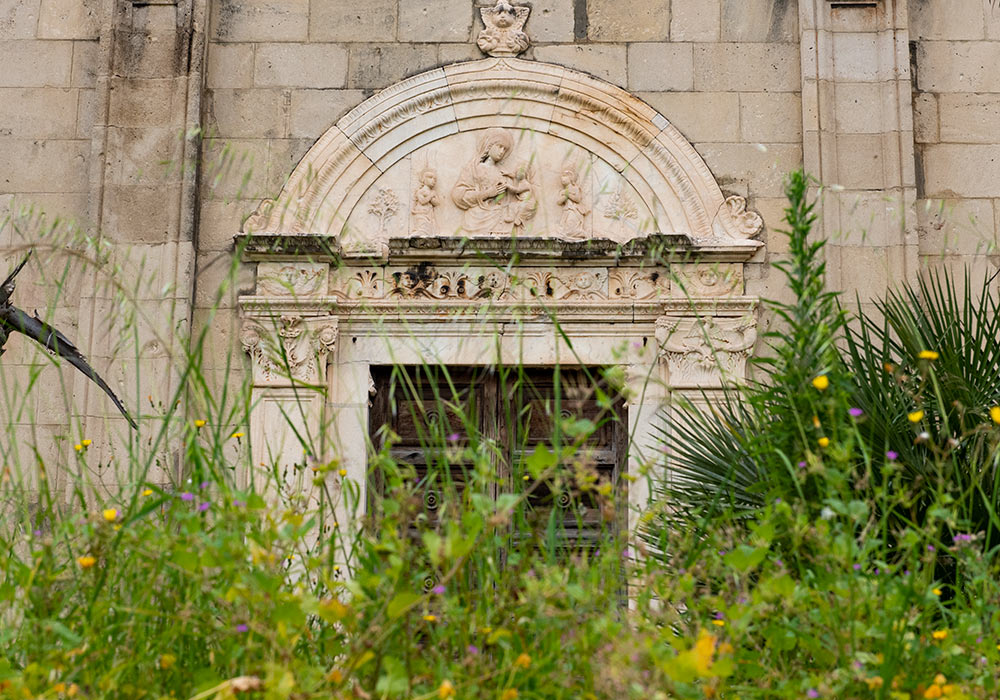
[[824, 442], [77, 447], [522, 661], [147, 492], [86, 561], [343, 472], [928, 355], [933, 692], [822, 382], [940, 679], [59, 687], [110, 514], [703, 650], [722, 623], [940, 634], [335, 676], [948, 689], [874, 682], [237, 435], [915, 416], [199, 423], [447, 690], [430, 618], [995, 414], [167, 661], [509, 694], [86, 442], [936, 591]]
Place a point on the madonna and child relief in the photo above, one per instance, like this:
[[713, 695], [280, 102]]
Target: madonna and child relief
[[502, 182]]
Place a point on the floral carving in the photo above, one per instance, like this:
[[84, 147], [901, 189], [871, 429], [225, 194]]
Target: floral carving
[[622, 210], [709, 280], [425, 282], [383, 207], [633, 284], [703, 350], [291, 280], [504, 33], [495, 191], [290, 353], [734, 220]]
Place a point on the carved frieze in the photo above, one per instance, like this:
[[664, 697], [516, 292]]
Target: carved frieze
[[289, 351], [708, 280], [503, 34], [292, 279], [704, 350]]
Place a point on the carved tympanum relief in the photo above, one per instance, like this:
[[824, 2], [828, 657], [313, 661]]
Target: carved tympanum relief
[[503, 182], [495, 189], [503, 34]]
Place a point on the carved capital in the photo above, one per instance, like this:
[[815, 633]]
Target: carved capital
[[703, 351], [292, 279], [289, 350]]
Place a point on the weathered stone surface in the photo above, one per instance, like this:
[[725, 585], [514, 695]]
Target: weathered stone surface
[[969, 118], [18, 19], [260, 20], [768, 117], [856, 107], [38, 112], [57, 165], [759, 20], [349, 20], [85, 55], [300, 65], [435, 20], [153, 103], [762, 168], [661, 66], [965, 66], [695, 20], [549, 22], [35, 63], [315, 111], [855, 56], [955, 171], [604, 61], [628, 20], [230, 65], [234, 169], [925, 118], [700, 116], [747, 67], [68, 19], [957, 20], [86, 113], [242, 113], [861, 161], [956, 227], [379, 65]]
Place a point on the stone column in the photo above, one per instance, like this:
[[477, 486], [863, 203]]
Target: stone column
[[857, 115]]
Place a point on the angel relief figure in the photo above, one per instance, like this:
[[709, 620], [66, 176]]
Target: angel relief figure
[[574, 209], [423, 218], [495, 192]]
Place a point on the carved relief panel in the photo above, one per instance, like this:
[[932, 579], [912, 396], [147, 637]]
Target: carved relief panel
[[704, 351]]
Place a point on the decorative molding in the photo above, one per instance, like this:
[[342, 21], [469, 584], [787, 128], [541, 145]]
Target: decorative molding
[[503, 34], [703, 351], [292, 279], [291, 350], [661, 183]]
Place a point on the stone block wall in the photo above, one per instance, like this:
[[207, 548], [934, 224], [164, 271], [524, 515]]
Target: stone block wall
[[956, 106]]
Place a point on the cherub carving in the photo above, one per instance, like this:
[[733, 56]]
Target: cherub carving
[[575, 211], [423, 217], [495, 193], [504, 33]]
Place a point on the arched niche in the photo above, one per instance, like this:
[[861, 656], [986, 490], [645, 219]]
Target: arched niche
[[584, 160]]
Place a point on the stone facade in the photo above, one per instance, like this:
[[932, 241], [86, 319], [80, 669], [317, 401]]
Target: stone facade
[[161, 126]]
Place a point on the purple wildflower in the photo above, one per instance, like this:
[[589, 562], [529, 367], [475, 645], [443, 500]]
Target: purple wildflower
[[812, 693], [777, 501], [779, 563], [241, 627], [186, 496], [961, 539], [857, 567], [855, 412], [892, 456], [438, 590], [204, 506], [930, 548], [802, 464], [454, 437], [472, 649], [719, 616], [238, 503], [37, 533], [203, 485]]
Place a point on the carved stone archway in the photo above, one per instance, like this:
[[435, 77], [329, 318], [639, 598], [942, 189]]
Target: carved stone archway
[[457, 215]]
